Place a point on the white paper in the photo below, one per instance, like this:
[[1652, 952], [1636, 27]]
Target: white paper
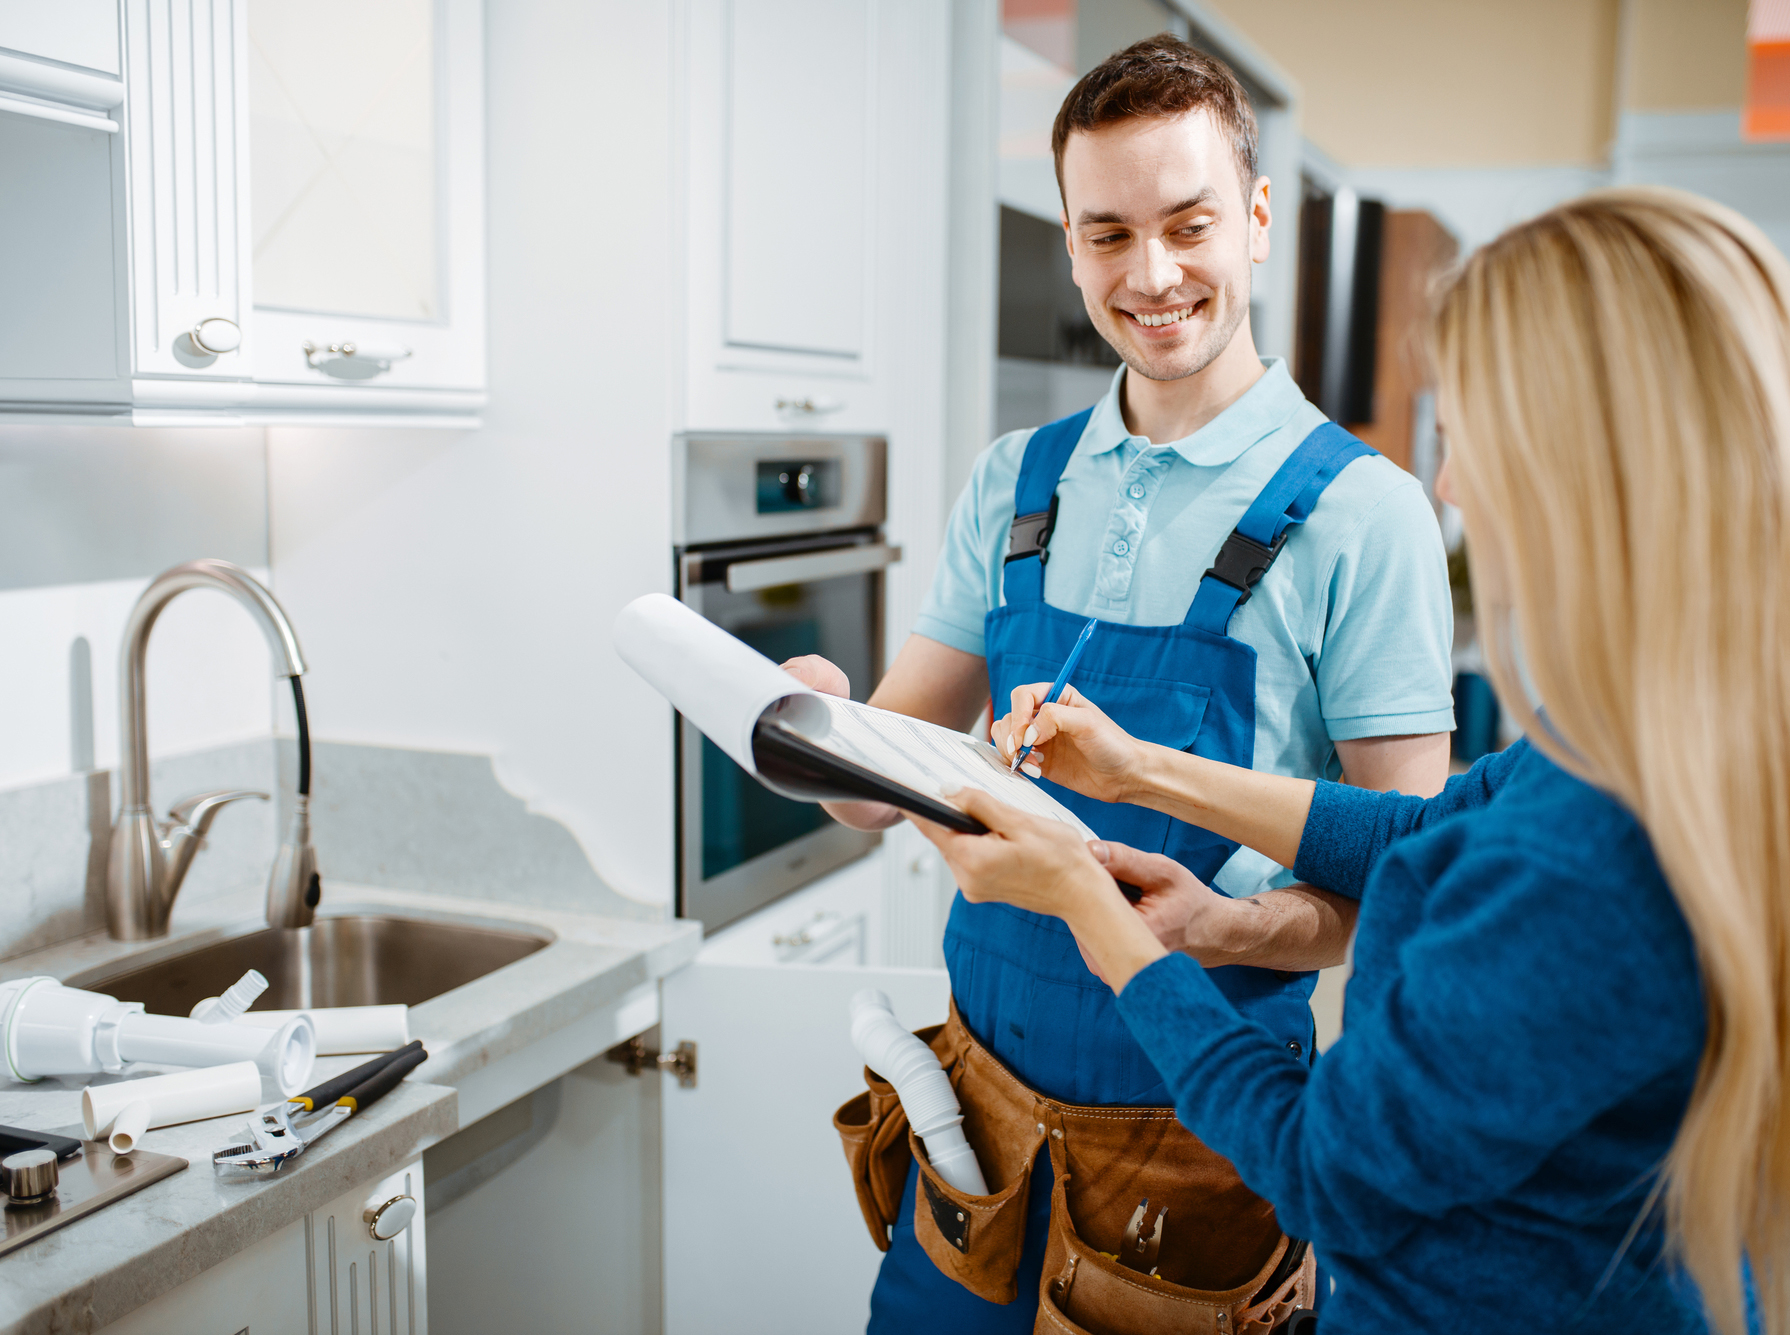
[[723, 687], [718, 683], [925, 757]]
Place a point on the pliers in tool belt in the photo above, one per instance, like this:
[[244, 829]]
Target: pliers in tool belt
[[283, 1132]]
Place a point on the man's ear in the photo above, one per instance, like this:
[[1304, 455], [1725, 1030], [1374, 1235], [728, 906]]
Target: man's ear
[[1261, 218], [1069, 245]]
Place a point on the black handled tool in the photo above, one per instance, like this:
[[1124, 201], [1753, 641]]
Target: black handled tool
[[285, 1131]]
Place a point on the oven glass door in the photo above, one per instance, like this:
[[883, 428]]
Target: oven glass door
[[741, 845]]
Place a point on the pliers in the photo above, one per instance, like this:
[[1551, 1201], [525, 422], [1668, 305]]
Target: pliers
[[283, 1132]]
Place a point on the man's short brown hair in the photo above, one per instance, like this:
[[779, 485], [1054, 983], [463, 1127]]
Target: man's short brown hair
[[1160, 76]]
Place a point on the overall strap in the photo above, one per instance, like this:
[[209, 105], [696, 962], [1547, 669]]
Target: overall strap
[[1035, 506], [1288, 499]]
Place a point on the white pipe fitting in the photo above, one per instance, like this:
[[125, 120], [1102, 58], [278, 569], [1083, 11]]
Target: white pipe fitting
[[49, 1029], [133, 1120], [237, 998], [341, 1030], [922, 1086], [121, 1112]]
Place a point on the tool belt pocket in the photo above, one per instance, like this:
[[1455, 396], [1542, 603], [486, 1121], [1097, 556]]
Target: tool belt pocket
[[874, 1130], [978, 1240], [1151, 1231], [1089, 1293]]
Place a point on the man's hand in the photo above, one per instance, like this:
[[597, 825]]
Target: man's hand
[[820, 674], [1299, 927], [1073, 743]]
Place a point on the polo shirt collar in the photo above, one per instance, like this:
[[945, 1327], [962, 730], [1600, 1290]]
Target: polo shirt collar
[[1264, 407]]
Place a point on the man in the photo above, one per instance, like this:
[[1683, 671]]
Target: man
[[1315, 644]]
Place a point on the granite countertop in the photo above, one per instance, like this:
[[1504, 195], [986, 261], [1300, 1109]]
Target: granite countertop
[[108, 1263]]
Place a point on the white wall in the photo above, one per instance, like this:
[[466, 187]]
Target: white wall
[[87, 516]]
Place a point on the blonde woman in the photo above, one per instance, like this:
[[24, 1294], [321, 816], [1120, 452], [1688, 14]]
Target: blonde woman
[[1559, 1102]]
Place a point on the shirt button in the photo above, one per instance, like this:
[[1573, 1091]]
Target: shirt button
[[1121, 547], [1137, 491]]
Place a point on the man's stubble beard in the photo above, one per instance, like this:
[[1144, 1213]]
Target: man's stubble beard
[[1205, 352]]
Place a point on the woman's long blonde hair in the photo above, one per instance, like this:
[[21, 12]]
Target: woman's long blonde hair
[[1615, 381]]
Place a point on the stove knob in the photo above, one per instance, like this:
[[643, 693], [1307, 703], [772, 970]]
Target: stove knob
[[29, 1175]]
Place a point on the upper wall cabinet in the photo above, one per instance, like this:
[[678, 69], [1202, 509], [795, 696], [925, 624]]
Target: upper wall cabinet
[[797, 162], [278, 217]]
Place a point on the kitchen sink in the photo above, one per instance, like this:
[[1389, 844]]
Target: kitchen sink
[[353, 960]]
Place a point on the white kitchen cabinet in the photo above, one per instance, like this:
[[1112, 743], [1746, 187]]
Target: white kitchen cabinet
[[258, 212], [324, 1273], [362, 1283], [366, 176], [813, 132], [762, 1230], [260, 1290]]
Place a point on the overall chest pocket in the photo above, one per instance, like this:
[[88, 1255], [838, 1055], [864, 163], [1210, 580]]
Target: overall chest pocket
[[1168, 713]]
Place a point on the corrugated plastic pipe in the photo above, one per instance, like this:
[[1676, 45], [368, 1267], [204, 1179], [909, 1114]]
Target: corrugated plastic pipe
[[922, 1086]]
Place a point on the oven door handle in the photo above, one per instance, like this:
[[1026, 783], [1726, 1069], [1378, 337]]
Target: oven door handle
[[744, 576]]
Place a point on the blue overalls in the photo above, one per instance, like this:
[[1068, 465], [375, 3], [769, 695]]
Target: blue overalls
[[1018, 977]]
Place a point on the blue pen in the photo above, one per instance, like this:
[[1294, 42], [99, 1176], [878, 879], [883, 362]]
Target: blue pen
[[1056, 687]]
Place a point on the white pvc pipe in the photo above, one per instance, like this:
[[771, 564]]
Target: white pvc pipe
[[130, 1124], [342, 1030], [186, 1096], [55, 1030], [922, 1086]]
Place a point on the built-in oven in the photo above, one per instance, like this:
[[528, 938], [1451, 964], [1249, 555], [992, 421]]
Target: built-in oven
[[779, 541]]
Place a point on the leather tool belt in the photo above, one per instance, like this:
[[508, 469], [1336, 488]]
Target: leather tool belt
[[1150, 1231]]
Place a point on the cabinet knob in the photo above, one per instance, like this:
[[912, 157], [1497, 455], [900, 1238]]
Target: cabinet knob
[[386, 1221], [29, 1175], [216, 335]]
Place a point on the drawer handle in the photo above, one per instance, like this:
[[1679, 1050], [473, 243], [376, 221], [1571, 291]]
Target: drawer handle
[[744, 576]]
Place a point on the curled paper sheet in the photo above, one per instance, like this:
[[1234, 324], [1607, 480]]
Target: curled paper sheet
[[712, 679]]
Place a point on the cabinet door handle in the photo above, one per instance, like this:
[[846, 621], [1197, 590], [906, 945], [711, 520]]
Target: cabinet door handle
[[353, 361], [809, 407]]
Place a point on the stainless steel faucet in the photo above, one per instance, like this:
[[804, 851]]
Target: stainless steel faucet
[[149, 859]]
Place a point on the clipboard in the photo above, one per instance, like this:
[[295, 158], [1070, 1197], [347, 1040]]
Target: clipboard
[[792, 762], [796, 765]]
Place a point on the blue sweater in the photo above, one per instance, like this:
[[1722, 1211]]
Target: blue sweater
[[1525, 1021]]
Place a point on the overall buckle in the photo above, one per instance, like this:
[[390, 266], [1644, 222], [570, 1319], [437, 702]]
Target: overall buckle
[[1242, 562], [1029, 535]]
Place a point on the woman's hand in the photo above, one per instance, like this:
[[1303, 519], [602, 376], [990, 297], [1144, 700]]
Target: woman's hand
[[1045, 867], [1073, 743], [1182, 910]]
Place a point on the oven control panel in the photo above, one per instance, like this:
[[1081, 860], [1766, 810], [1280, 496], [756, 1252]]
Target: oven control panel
[[797, 484]]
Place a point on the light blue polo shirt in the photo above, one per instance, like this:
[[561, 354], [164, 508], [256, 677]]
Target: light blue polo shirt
[[1352, 626]]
